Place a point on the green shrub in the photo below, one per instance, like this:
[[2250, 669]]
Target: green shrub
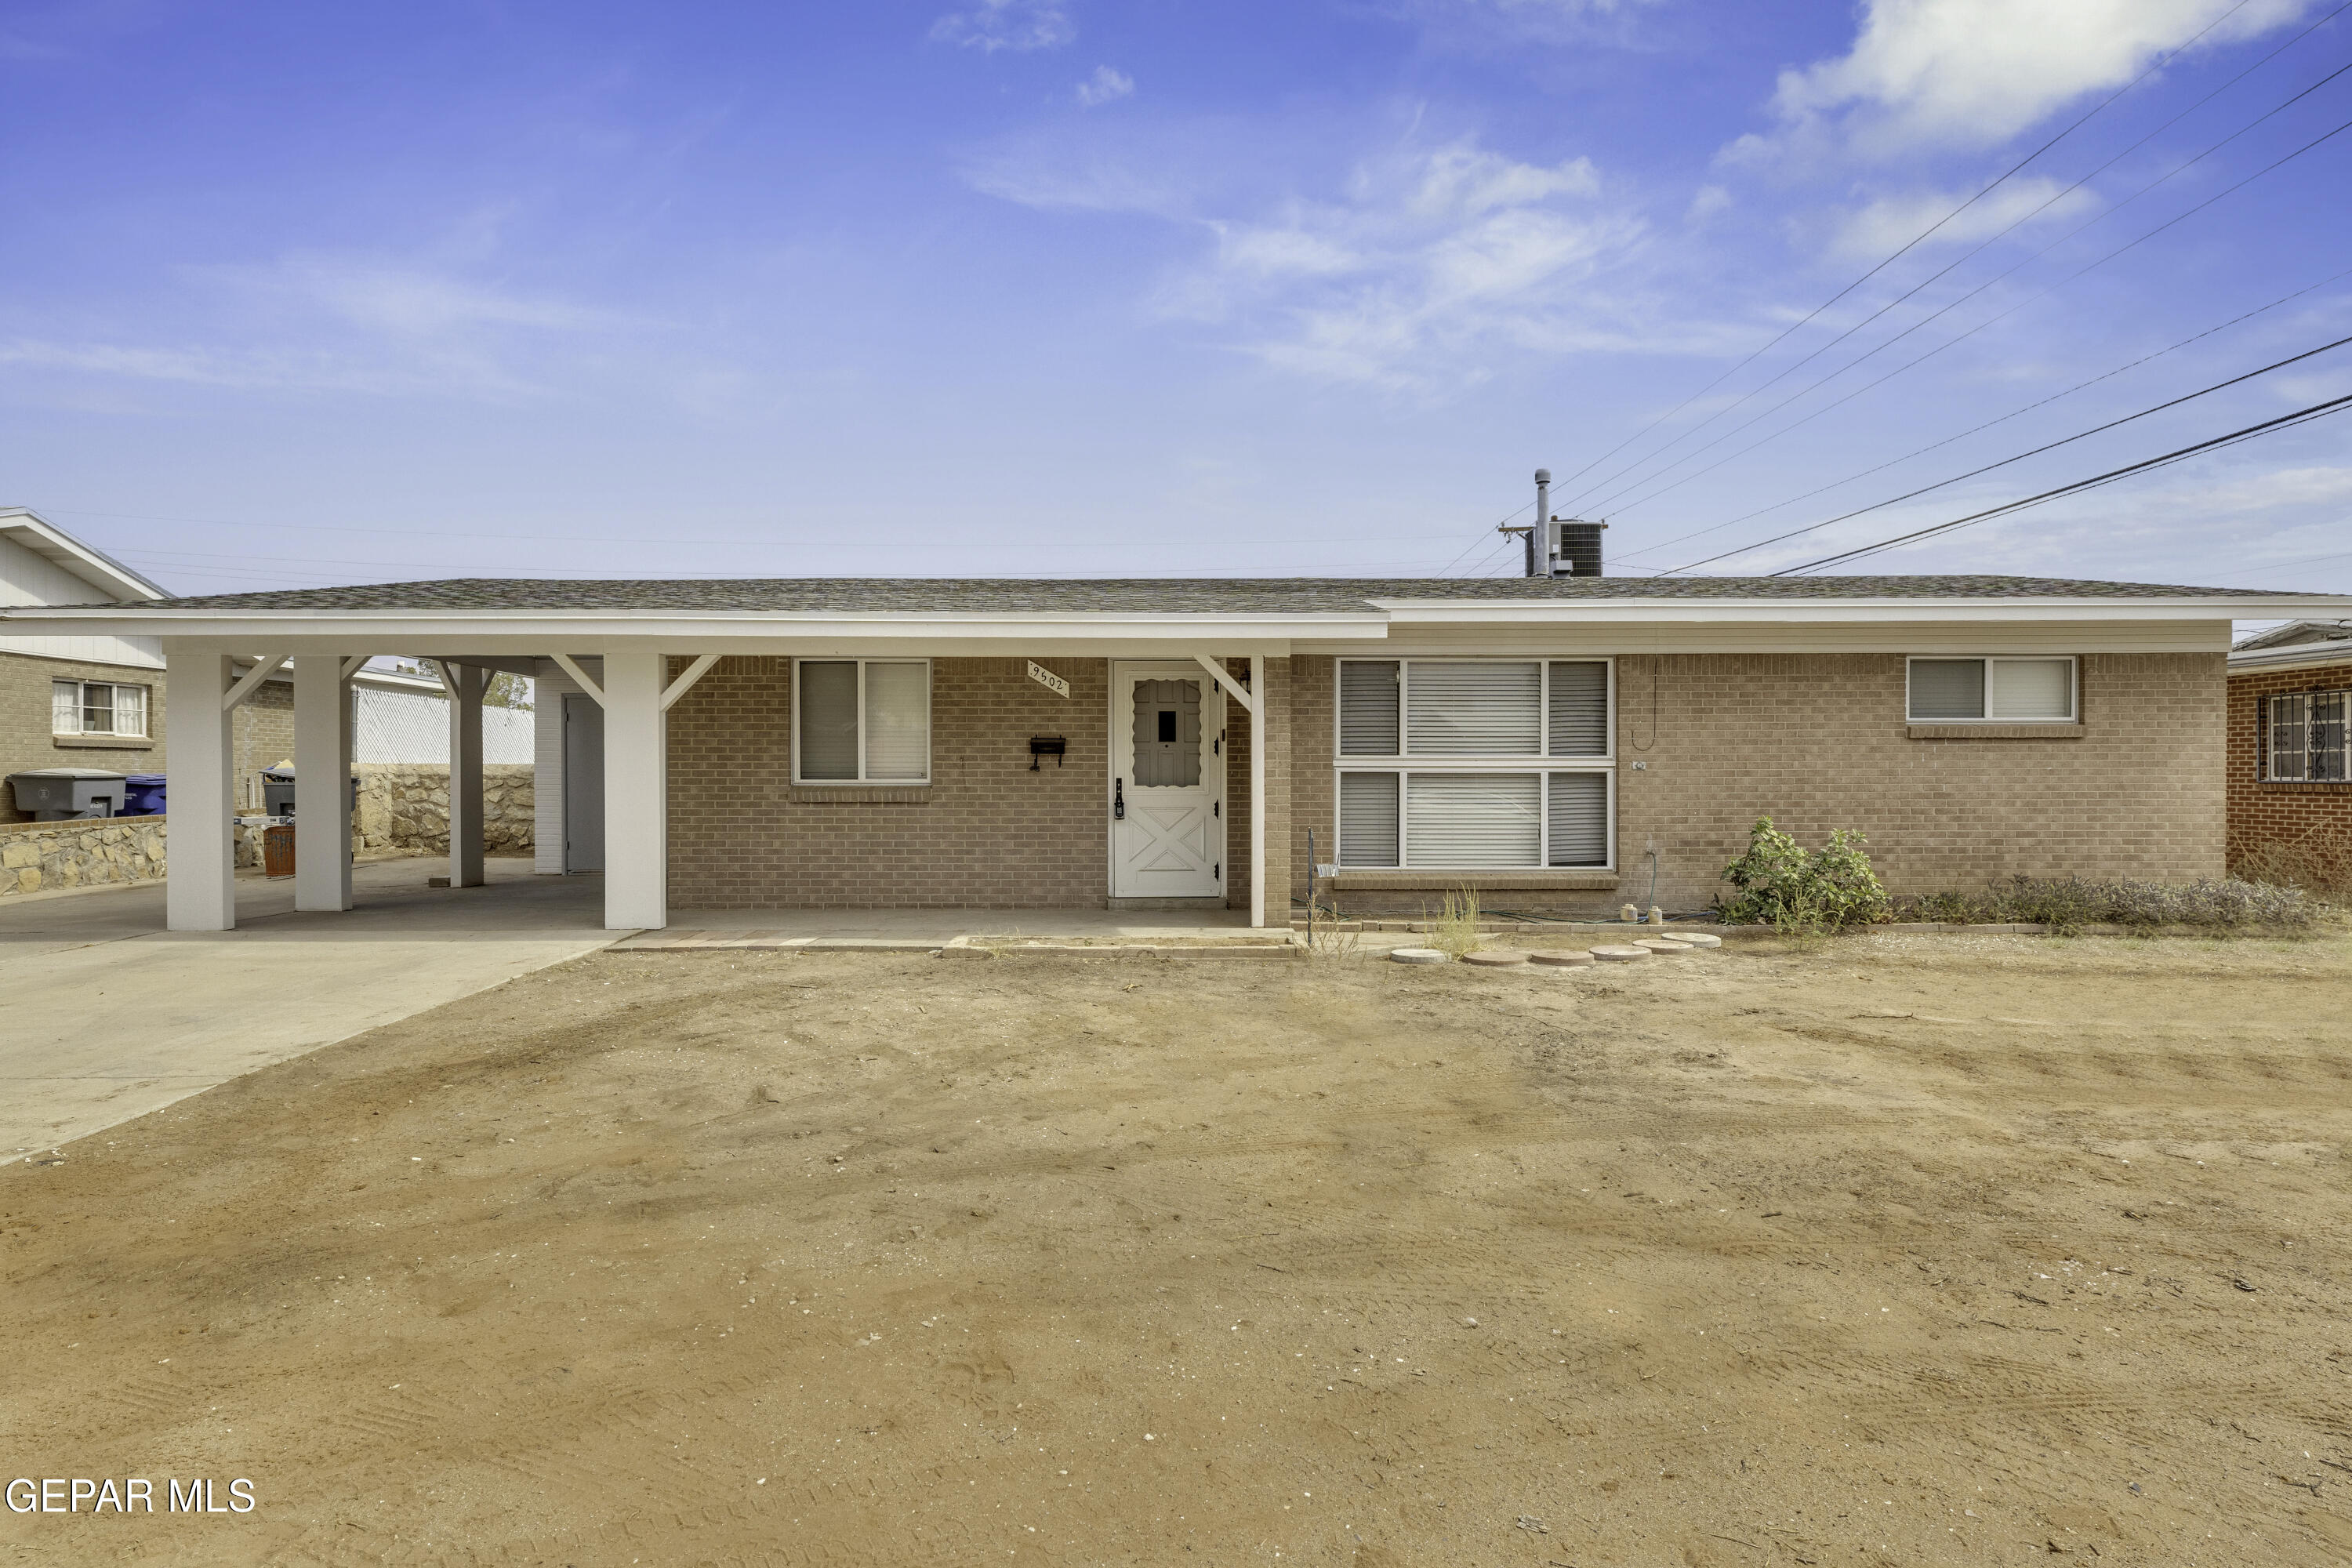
[[2070, 903], [1778, 884]]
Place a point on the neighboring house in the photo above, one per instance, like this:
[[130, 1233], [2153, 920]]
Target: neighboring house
[[1562, 743], [404, 718], [79, 700], [98, 701], [2290, 751]]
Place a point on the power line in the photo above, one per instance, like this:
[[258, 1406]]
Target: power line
[[1965, 257], [2005, 462], [1447, 569], [1922, 451], [2251, 432], [1953, 304], [2054, 287], [1915, 240]]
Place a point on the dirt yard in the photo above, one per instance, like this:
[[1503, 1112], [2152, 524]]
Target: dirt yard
[[1901, 1250]]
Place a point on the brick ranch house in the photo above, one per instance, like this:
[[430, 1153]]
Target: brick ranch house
[[2290, 751], [1563, 743]]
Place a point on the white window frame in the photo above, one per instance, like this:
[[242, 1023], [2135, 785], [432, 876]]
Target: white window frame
[[861, 781], [81, 703], [2074, 684], [2269, 772], [1541, 761]]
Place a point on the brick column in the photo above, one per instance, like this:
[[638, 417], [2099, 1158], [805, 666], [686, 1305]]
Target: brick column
[[1275, 696]]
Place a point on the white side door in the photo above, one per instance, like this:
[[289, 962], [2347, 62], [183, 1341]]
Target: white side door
[[1168, 782]]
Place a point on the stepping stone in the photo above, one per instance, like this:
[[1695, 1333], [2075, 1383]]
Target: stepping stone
[[1416, 955], [1620, 955], [1561, 959], [1699, 939], [1664, 946], [1495, 958]]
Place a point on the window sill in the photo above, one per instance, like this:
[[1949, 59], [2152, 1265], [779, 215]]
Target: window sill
[[1434, 881], [103, 742], [1982, 731], [2306, 786], [860, 794]]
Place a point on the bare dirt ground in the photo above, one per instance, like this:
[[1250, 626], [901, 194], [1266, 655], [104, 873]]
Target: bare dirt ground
[[1899, 1251]]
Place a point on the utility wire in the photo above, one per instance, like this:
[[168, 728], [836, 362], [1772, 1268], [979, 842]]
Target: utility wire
[[1448, 568], [1955, 304], [1914, 243], [2013, 413], [2070, 278], [1965, 257], [2005, 462], [2251, 432]]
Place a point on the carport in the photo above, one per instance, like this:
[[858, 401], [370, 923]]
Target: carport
[[636, 650]]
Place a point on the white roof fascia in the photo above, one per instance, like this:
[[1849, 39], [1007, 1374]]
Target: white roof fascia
[[2292, 656], [1550, 612], [55, 545], [577, 628]]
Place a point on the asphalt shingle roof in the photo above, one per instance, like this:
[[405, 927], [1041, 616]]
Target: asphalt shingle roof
[[917, 595]]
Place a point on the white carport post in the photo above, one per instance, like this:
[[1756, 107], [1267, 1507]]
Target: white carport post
[[1257, 791], [636, 792], [200, 893], [464, 685], [323, 757]]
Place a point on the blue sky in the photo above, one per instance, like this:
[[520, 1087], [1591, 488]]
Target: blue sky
[[299, 294]]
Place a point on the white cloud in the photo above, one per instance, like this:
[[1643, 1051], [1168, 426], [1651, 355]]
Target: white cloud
[[1890, 222], [1105, 85], [319, 321], [1975, 73], [1429, 264], [1016, 25], [1483, 24], [1704, 203]]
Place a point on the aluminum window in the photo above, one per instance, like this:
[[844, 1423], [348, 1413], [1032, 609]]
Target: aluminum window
[[1997, 691], [1475, 764], [2307, 737], [96, 708], [861, 720]]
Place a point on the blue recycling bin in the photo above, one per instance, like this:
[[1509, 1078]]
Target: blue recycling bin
[[143, 796]]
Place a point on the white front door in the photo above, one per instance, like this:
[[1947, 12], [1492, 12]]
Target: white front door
[[1168, 782]]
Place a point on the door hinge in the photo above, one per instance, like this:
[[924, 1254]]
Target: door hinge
[[1217, 871], [1216, 808]]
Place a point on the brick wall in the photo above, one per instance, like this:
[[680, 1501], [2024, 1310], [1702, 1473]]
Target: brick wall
[[987, 833], [261, 735], [27, 743], [1820, 740], [2317, 817]]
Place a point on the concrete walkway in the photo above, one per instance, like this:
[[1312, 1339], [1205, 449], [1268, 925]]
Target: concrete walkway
[[108, 1017]]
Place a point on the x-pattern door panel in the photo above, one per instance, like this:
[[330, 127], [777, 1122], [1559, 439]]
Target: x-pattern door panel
[[1168, 830]]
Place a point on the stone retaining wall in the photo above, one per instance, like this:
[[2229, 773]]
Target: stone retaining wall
[[405, 806], [40, 857]]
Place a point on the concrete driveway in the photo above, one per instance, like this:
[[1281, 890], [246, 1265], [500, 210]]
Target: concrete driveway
[[104, 1015]]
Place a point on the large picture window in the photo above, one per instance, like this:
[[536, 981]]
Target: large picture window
[[1475, 764], [1992, 690], [2307, 737], [96, 708], [861, 720]]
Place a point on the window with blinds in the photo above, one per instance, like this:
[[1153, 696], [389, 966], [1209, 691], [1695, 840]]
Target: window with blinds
[[861, 720], [1998, 691], [1475, 764], [2307, 737]]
